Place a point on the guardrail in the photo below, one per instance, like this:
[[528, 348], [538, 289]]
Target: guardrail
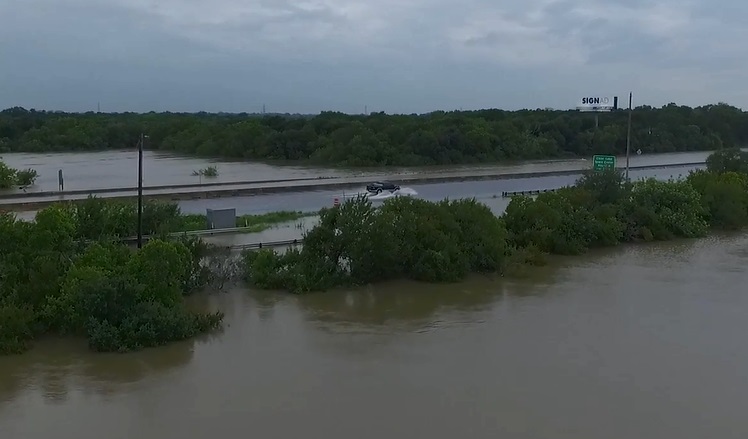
[[260, 245], [205, 232], [211, 232], [248, 246], [510, 194]]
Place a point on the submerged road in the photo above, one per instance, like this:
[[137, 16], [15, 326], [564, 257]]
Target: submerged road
[[315, 200], [113, 170], [489, 191], [567, 171]]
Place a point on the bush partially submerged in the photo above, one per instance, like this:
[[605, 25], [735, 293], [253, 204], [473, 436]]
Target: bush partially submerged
[[406, 238], [54, 281], [442, 242], [10, 176], [26, 177]]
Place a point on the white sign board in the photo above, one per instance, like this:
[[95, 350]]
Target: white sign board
[[595, 103]]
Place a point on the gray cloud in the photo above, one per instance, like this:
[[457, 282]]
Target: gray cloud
[[392, 55]]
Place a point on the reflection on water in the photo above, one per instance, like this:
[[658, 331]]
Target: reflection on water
[[57, 367], [406, 305], [636, 341]]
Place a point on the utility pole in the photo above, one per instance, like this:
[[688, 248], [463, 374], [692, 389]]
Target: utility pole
[[140, 189], [628, 135]]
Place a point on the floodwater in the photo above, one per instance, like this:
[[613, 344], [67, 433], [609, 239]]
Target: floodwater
[[640, 341], [116, 169], [312, 201], [484, 190]]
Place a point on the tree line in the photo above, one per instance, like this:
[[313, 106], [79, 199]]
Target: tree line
[[378, 139], [356, 243]]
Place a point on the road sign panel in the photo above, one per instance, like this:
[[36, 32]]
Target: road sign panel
[[602, 162]]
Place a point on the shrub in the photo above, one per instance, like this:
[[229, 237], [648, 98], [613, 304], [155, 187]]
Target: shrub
[[355, 244], [53, 280]]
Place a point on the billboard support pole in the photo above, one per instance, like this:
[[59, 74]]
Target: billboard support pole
[[594, 133]]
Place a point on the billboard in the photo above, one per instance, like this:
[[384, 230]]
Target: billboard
[[597, 103]]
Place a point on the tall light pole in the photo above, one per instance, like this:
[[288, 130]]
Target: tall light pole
[[628, 136], [140, 189]]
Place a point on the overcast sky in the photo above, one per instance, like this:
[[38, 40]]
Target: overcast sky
[[390, 55]]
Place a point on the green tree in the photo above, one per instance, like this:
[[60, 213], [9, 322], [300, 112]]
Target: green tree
[[664, 210], [356, 243], [724, 197], [7, 176], [728, 160], [54, 280]]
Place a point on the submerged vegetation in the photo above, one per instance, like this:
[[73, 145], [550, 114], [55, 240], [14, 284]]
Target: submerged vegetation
[[10, 177], [67, 272], [209, 171], [379, 139], [52, 280], [356, 243]]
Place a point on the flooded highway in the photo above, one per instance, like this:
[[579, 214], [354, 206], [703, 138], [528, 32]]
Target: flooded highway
[[117, 169], [487, 191], [633, 342], [315, 200]]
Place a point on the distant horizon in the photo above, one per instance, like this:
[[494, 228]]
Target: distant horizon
[[623, 105]]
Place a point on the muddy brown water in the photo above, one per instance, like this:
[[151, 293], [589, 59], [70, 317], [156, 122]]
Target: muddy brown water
[[634, 342]]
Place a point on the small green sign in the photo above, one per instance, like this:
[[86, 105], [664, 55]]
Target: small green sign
[[602, 162]]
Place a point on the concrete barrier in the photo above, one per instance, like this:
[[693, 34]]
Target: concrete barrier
[[177, 187]]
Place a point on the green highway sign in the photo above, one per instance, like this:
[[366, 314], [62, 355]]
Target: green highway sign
[[602, 162]]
